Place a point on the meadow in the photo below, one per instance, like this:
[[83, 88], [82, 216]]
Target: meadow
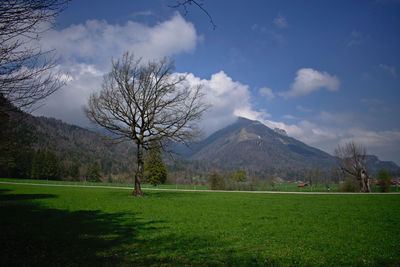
[[69, 226]]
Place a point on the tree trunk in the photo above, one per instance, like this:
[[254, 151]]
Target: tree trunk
[[139, 172], [365, 188]]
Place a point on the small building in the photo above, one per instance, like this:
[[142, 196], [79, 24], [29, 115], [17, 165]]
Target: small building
[[302, 185]]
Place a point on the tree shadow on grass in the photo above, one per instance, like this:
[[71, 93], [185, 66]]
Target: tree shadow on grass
[[34, 235]]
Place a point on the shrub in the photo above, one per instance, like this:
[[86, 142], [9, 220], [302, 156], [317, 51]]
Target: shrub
[[216, 181], [351, 184], [384, 180]]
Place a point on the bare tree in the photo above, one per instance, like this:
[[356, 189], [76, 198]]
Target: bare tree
[[146, 103], [353, 161], [185, 3], [314, 176], [25, 76]]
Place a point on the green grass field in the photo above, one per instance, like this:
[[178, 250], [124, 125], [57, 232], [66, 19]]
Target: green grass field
[[65, 226]]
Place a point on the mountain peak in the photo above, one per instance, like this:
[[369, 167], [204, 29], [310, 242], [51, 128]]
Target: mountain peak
[[280, 131], [252, 145]]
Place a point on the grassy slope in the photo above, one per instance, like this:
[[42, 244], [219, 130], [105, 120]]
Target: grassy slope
[[92, 226]]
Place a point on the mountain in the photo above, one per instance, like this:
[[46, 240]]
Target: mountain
[[252, 145], [248, 144], [375, 164]]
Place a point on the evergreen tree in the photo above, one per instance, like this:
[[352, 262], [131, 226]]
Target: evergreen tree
[[37, 171], [155, 171], [384, 180], [51, 166], [93, 174], [73, 170], [217, 182], [16, 137], [23, 166]]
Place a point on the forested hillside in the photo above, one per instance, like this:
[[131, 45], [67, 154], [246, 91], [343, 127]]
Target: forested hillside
[[32, 146]]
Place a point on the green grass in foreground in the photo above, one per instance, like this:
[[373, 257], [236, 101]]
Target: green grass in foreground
[[59, 226]]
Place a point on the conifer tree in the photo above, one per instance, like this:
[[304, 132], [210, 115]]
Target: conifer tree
[[73, 170], [155, 171], [93, 174], [51, 166], [38, 165]]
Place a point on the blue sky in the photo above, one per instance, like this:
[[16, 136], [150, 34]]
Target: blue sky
[[325, 71]]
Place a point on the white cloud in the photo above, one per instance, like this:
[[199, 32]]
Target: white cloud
[[97, 41], [372, 101], [335, 119], [67, 103], [86, 50], [303, 109], [228, 99], [279, 38], [289, 117], [389, 69], [309, 80], [357, 38], [384, 144], [280, 21], [143, 13], [267, 92]]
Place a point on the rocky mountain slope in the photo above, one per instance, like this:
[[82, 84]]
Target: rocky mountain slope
[[248, 144], [254, 145]]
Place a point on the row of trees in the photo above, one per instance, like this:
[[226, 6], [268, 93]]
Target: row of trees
[[44, 164]]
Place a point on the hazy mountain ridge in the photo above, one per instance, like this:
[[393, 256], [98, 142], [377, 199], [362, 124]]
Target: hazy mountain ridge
[[245, 144], [256, 146]]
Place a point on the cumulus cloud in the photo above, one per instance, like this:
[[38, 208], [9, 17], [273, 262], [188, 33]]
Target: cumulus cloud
[[97, 41], [85, 51], [309, 80], [384, 144], [67, 103], [228, 99], [267, 92]]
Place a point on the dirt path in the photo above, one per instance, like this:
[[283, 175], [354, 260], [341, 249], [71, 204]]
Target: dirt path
[[191, 190]]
